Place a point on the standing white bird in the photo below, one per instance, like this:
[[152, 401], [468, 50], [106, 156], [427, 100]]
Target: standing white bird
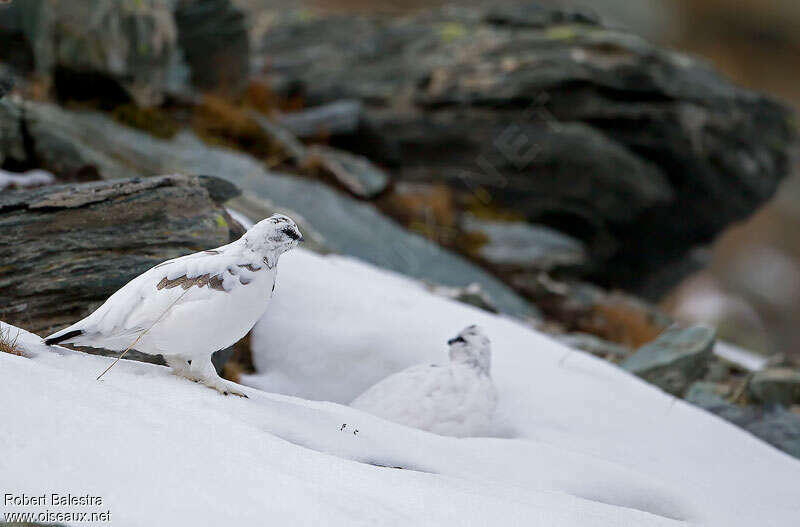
[[187, 308], [457, 399]]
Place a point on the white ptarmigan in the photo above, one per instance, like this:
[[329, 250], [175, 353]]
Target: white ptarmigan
[[187, 308], [457, 399]]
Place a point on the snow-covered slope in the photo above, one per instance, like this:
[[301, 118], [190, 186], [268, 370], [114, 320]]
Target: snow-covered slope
[[581, 444]]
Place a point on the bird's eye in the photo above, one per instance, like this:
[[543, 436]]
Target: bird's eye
[[288, 231]]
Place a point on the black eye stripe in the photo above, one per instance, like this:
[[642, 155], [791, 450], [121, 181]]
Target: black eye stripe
[[290, 233]]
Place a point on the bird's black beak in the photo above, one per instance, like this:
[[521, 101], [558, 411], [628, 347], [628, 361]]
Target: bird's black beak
[[454, 340], [301, 239]]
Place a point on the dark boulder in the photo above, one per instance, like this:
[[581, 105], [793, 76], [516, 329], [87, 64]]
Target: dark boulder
[[676, 359], [776, 386], [134, 51], [640, 152], [212, 35]]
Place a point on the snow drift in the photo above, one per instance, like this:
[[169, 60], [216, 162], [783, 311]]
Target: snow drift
[[578, 442]]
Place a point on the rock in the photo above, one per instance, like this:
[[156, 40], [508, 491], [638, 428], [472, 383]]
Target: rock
[[776, 386], [212, 35], [355, 173], [676, 359], [336, 118], [776, 425], [712, 397], [6, 81], [588, 130], [585, 308], [471, 295], [93, 49], [67, 248], [512, 247], [282, 137], [350, 227], [533, 15], [12, 144], [138, 50], [595, 345], [92, 141]]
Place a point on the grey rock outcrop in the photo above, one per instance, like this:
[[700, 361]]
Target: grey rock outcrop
[[776, 386], [212, 36], [63, 141], [93, 47], [589, 130], [66, 248], [126, 50], [676, 359], [517, 246]]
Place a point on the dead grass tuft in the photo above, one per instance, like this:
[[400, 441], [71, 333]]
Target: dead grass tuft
[[218, 121], [151, 120], [8, 342]]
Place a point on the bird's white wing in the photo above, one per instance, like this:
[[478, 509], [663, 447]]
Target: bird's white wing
[[139, 304]]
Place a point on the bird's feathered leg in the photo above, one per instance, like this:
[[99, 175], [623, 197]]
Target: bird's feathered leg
[[179, 365], [203, 371]]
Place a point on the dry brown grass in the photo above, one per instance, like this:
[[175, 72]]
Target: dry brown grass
[[219, 121], [151, 120], [8, 342], [260, 97], [624, 323]]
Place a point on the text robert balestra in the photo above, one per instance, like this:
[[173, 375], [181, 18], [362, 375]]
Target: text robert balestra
[[52, 499]]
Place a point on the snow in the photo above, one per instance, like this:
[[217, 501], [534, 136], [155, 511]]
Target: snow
[[31, 178], [577, 444], [744, 358]]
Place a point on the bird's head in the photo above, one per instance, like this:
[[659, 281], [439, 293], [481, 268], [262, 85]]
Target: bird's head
[[273, 236], [471, 346]]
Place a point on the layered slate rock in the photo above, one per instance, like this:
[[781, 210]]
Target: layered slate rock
[[640, 152], [515, 246], [64, 141], [65, 249], [776, 386], [676, 359]]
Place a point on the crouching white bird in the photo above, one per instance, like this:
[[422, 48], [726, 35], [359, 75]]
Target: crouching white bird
[[457, 399], [187, 308]]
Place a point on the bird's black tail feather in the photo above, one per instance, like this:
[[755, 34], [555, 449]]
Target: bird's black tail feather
[[61, 338]]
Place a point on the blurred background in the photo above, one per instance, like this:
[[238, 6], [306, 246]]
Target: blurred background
[[599, 169], [750, 286]]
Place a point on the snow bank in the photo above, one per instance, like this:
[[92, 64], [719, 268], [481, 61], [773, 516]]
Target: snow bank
[[591, 446], [31, 178], [336, 326]]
